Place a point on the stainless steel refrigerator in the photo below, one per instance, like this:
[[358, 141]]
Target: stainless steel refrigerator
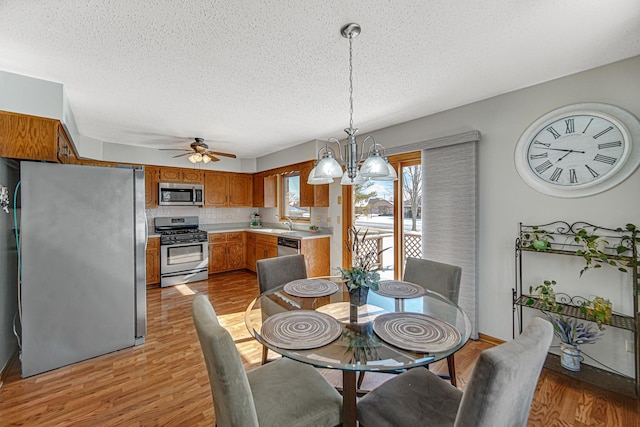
[[83, 235]]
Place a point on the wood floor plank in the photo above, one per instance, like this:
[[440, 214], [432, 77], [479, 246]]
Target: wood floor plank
[[164, 381]]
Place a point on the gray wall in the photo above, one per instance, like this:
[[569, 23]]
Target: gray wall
[[8, 266]]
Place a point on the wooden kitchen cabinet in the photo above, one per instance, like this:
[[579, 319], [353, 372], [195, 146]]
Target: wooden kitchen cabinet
[[65, 151], [266, 246], [250, 252], [265, 190], [28, 137], [153, 261], [224, 189], [317, 256], [312, 195], [226, 251], [183, 175], [151, 179]]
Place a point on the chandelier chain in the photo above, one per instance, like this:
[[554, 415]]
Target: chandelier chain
[[350, 81]]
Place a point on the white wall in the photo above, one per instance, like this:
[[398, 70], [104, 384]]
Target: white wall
[[505, 200], [26, 95]]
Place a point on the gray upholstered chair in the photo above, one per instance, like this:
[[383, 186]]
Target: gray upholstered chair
[[438, 277], [282, 393], [499, 392], [274, 272]]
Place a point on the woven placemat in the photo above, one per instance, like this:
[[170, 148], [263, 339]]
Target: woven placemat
[[300, 329], [310, 288], [400, 289], [416, 332]]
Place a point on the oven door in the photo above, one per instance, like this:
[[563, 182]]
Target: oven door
[[184, 257]]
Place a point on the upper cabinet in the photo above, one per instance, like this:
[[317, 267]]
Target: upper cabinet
[[191, 176], [224, 189], [28, 137], [312, 195], [66, 151], [151, 179]]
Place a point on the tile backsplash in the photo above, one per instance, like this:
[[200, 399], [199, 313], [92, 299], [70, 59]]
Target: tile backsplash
[[230, 215], [205, 215]]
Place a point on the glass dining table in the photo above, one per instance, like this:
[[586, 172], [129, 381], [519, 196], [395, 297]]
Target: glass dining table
[[401, 326]]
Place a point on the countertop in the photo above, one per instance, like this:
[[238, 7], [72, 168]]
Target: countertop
[[273, 231]]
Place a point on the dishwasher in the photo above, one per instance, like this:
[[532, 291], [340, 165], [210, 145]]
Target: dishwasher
[[288, 246]]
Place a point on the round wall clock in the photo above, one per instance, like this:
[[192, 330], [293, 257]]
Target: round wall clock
[[579, 150]]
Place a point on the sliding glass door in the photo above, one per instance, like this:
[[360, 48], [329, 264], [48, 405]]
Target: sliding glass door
[[390, 213]]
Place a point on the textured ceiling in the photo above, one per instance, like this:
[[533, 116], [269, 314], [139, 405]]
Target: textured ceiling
[[254, 77]]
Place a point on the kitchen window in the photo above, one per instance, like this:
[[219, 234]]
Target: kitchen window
[[290, 202]]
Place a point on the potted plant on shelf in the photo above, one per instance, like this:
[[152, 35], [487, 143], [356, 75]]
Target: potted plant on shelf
[[363, 273], [538, 238], [314, 229], [572, 334], [598, 310], [546, 295], [594, 249]]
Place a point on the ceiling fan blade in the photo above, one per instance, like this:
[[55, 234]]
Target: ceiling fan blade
[[213, 158], [223, 154], [181, 155]]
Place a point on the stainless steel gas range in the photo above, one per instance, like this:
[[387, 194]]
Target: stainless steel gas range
[[184, 250]]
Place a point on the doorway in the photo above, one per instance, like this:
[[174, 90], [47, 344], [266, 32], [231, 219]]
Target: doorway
[[390, 213]]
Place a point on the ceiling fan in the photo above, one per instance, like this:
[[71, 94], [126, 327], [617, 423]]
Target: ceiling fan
[[199, 152]]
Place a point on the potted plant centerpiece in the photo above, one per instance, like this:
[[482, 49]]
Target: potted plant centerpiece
[[363, 273], [572, 334], [314, 229]]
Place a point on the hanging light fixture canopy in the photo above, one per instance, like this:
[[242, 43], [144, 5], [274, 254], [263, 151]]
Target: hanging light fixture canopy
[[375, 165]]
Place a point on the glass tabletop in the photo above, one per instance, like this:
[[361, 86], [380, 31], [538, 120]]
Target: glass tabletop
[[364, 345]]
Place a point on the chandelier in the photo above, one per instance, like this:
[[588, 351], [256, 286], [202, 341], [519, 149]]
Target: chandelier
[[375, 165]]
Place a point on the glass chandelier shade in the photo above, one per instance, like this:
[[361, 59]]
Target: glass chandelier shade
[[314, 180], [375, 166], [328, 167]]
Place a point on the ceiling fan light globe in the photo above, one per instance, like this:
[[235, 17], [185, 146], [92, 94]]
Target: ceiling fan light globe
[[206, 159], [192, 158]]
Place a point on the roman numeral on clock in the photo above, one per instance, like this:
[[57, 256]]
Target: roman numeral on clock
[[570, 126], [541, 143], [609, 145], [556, 174], [538, 156], [554, 132], [543, 166], [593, 173], [598, 135], [605, 159], [573, 178]]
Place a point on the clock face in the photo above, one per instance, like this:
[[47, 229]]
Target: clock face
[[579, 150]]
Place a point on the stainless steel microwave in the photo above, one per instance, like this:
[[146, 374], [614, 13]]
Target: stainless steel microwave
[[178, 194]]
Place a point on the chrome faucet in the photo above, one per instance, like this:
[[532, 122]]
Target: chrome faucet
[[288, 222]]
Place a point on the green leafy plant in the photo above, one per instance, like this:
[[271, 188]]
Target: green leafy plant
[[572, 332], [363, 272], [546, 296], [538, 238], [597, 310], [593, 250], [314, 228]]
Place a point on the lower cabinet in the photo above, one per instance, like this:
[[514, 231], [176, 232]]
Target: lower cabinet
[[226, 251], [317, 256], [153, 261], [260, 246]]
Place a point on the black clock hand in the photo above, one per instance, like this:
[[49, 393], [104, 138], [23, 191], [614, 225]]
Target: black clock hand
[[570, 151], [560, 149]]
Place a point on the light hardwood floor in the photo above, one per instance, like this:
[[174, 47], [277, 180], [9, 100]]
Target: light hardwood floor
[[164, 382]]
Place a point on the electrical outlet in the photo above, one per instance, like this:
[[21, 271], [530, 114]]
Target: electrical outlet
[[318, 219], [328, 220], [338, 219], [339, 200], [629, 345]]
